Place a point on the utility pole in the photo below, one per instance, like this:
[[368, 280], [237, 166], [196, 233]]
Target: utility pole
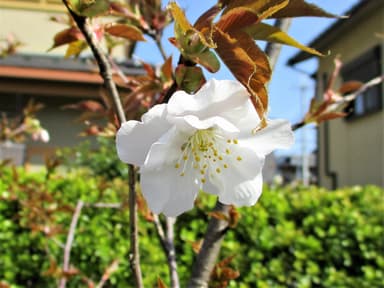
[[304, 154]]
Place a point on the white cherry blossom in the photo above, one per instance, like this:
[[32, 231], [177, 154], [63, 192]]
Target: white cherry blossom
[[206, 141]]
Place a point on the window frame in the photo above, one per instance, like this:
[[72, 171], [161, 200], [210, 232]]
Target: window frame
[[372, 57]]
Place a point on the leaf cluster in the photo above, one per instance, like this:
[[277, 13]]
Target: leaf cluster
[[294, 237]]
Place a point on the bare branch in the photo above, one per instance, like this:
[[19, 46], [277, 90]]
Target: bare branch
[[167, 242], [134, 256], [209, 252], [106, 74], [68, 244], [107, 273]]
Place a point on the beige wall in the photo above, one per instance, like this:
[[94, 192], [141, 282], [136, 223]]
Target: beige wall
[[356, 147], [36, 31]]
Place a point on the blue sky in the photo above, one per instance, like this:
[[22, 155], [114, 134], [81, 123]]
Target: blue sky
[[286, 99]]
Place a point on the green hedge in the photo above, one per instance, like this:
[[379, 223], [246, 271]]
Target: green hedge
[[294, 237]]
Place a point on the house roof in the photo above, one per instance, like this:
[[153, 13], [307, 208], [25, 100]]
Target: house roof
[[321, 42], [54, 68]]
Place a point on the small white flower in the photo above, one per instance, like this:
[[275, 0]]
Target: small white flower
[[202, 141]]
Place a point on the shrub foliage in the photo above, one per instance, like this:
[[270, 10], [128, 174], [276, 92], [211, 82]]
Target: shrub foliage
[[294, 237]]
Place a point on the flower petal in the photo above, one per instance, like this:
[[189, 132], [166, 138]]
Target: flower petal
[[191, 123], [134, 138], [213, 98], [168, 192], [238, 184], [244, 193], [277, 135]]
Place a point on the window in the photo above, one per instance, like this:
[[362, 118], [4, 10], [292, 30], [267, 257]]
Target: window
[[363, 69]]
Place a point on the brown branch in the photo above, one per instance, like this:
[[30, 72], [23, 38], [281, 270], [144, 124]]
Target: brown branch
[[210, 250], [134, 256], [106, 73], [68, 244], [167, 242]]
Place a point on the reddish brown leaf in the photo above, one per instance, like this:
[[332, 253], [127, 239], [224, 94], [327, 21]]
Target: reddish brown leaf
[[248, 63], [237, 19], [218, 215], [234, 217], [166, 70], [300, 8], [349, 87], [160, 283], [330, 116], [206, 19], [260, 7], [126, 31], [86, 105], [196, 246], [66, 36]]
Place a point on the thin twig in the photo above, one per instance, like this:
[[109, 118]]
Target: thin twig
[[167, 242], [68, 244], [134, 256], [107, 273], [101, 59], [106, 74], [104, 205], [157, 39]]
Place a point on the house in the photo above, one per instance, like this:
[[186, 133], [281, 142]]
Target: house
[[351, 149], [46, 76]]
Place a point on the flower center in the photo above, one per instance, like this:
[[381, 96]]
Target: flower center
[[206, 152]]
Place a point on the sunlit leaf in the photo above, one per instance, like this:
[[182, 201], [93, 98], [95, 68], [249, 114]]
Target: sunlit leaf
[[180, 19], [248, 63], [126, 31], [236, 19], [266, 32], [263, 8], [280, 8], [75, 48], [300, 8]]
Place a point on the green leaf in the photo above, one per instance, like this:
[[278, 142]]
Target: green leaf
[[208, 60], [262, 31], [89, 8], [190, 79]]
